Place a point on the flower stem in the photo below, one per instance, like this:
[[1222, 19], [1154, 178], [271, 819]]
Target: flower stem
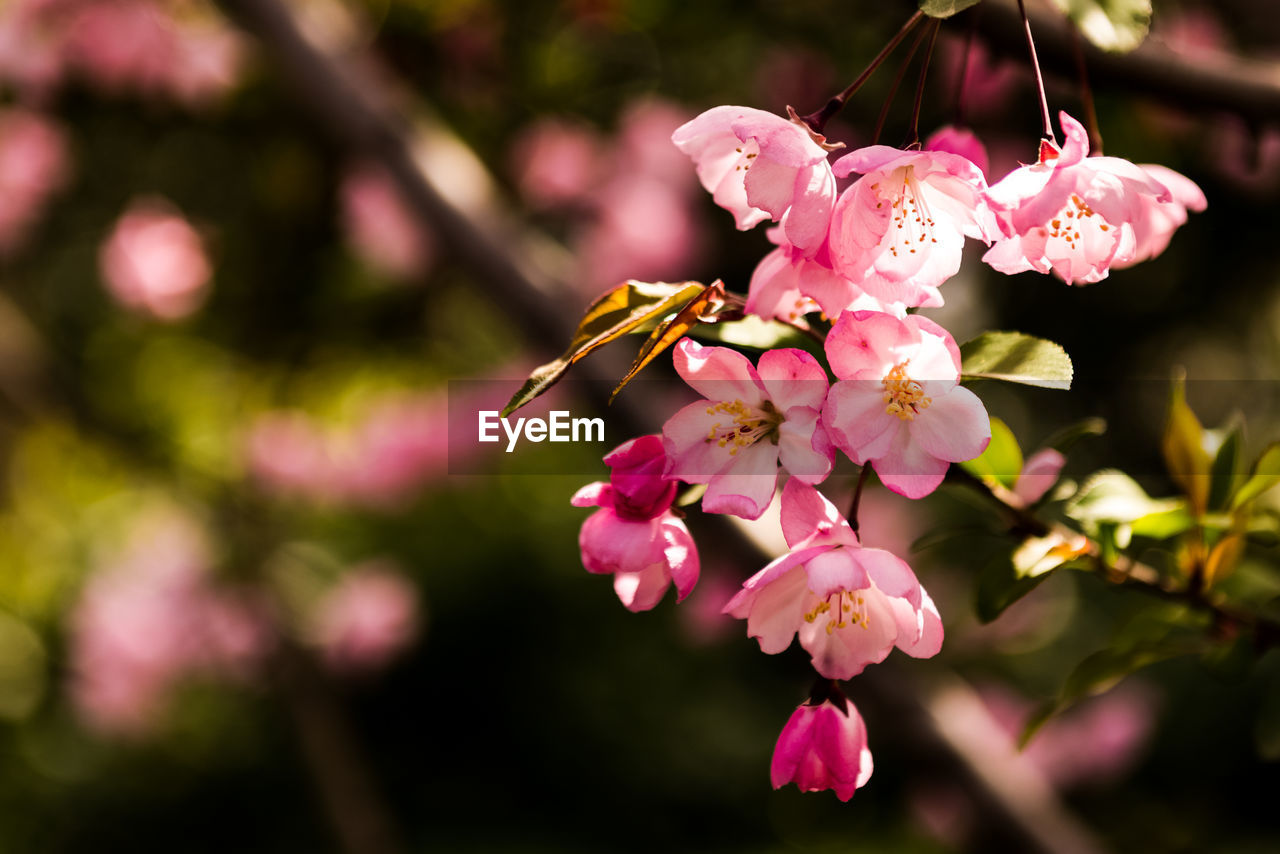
[[818, 119], [1086, 93], [857, 499], [893, 87], [924, 73], [1047, 132], [958, 97]]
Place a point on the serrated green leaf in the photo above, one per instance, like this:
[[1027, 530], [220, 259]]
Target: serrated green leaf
[[626, 308], [1016, 358], [1113, 25], [945, 8], [1265, 475], [1001, 461]]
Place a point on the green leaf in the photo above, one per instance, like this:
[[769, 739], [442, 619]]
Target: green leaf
[[1016, 358], [1184, 451], [1224, 471], [626, 308], [1265, 475], [1064, 439], [1001, 583], [1111, 495], [945, 8], [754, 332], [1163, 524], [1101, 671], [701, 309], [1114, 25], [1001, 461]]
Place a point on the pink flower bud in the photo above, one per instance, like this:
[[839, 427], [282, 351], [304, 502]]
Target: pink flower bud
[[639, 489], [823, 747]]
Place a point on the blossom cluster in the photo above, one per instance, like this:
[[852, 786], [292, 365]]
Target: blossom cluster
[[862, 259]]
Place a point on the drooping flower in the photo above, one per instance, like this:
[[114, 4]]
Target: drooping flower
[[787, 284], [1071, 213], [898, 231], [749, 423], [899, 405], [634, 535], [850, 605], [823, 746], [1159, 220], [760, 166]]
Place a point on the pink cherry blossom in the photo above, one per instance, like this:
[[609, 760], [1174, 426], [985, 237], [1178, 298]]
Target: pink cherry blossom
[[634, 535], [366, 618], [823, 746], [33, 166], [1153, 229], [382, 461], [850, 605], [749, 423], [556, 162], [1071, 213], [645, 556], [899, 405], [898, 231], [154, 261], [787, 285], [380, 227], [148, 617], [760, 166]]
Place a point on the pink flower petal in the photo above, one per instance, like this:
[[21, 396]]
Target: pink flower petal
[[718, 373], [954, 428]]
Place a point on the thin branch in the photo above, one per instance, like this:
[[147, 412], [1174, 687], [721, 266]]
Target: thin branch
[[1214, 83], [1023, 522], [819, 118], [1047, 123]]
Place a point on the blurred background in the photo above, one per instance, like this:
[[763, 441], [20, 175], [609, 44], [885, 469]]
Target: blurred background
[[258, 258]]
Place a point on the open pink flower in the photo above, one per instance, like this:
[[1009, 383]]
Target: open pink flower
[[850, 605], [760, 166], [1159, 220], [823, 746], [749, 423], [634, 535], [787, 284], [898, 231], [1071, 213], [899, 404]]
